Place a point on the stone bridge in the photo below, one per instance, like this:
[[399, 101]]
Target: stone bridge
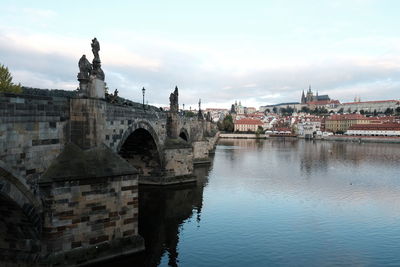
[[70, 168]]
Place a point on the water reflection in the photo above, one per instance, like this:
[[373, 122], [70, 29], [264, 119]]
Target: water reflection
[[162, 211], [279, 203]]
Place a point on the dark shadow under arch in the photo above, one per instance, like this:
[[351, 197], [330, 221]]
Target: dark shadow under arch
[[141, 151], [20, 222], [184, 134]]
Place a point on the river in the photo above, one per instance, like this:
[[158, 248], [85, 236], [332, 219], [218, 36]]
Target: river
[[278, 203]]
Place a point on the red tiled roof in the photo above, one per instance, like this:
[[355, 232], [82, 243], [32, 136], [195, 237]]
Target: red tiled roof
[[283, 129], [323, 102], [248, 121], [379, 127], [346, 117], [216, 109]]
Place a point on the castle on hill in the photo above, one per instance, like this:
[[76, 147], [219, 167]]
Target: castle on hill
[[310, 97]]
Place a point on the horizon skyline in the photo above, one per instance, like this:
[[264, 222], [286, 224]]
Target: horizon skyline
[[260, 53]]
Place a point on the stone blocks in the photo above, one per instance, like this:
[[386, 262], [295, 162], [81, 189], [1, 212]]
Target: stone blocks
[[85, 213]]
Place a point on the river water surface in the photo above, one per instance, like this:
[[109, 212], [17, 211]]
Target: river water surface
[[278, 203]]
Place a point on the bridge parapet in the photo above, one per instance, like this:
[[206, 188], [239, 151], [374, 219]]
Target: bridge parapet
[[33, 131]]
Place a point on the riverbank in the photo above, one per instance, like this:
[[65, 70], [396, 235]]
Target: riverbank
[[242, 136], [340, 138], [362, 139]]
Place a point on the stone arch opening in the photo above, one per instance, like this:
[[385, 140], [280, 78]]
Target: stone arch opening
[[141, 151], [20, 221], [184, 135], [19, 238]]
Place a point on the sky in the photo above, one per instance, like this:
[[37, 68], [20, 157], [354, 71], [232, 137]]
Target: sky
[[257, 52]]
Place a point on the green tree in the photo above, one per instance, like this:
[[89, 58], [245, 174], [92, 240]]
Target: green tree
[[340, 111], [388, 111], [227, 124], [6, 84], [398, 110], [305, 109]]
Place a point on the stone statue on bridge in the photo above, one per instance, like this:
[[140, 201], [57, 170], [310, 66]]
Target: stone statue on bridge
[[200, 115], [97, 71], [85, 68], [173, 101], [96, 49], [91, 76]]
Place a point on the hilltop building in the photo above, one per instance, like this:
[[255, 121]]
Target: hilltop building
[[310, 97], [370, 106]]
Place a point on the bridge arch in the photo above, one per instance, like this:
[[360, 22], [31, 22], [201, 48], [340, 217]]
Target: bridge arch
[[20, 220], [140, 146], [184, 134]]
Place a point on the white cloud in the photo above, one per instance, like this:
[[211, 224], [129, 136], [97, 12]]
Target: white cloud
[[217, 75]]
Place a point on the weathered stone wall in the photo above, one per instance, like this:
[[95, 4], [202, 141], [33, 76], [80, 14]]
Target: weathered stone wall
[[88, 216], [193, 126], [33, 130], [121, 121], [87, 122], [178, 161], [200, 150]]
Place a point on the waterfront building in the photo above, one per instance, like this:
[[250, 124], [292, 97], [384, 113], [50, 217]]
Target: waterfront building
[[247, 124], [384, 129], [308, 127], [341, 123]]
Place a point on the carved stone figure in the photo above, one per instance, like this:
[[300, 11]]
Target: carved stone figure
[[200, 115], [98, 72], [85, 68], [96, 63], [173, 101], [96, 49]]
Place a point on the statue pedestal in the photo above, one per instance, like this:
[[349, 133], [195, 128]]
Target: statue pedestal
[[96, 88]]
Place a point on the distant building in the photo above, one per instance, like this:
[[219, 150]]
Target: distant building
[[237, 108], [341, 123], [384, 129], [247, 124], [310, 97], [217, 113], [370, 106], [250, 110], [309, 127], [277, 107]]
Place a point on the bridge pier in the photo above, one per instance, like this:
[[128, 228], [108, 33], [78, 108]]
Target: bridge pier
[[90, 207]]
